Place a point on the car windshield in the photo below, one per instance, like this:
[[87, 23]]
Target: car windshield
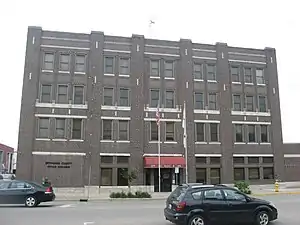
[[178, 193]]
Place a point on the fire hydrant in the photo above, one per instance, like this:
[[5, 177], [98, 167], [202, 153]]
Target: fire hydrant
[[276, 186]]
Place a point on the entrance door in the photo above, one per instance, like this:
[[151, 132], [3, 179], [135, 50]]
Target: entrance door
[[166, 180]]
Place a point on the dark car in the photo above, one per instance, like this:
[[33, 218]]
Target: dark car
[[24, 192], [197, 204]]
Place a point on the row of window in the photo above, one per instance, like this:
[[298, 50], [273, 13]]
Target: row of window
[[236, 160], [251, 133], [249, 76], [249, 103]]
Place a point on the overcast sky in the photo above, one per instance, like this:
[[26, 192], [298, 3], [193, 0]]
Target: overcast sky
[[255, 23]]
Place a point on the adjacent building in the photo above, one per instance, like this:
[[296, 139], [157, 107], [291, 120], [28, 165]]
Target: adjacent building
[[90, 101], [6, 159]]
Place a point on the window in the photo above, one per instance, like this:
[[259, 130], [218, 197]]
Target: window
[[62, 94], [238, 160], [109, 65], [232, 195], [268, 160], [4, 185], [124, 97], [248, 76], [107, 159], [60, 128], [170, 131], [108, 96], [211, 72], [215, 177], [264, 134], [239, 174], [46, 93], [154, 98], [44, 127], [215, 160], [153, 131], [239, 134], [262, 101], [201, 175], [197, 71], [253, 160], [251, 134], [18, 185], [49, 61], [235, 74], [250, 103], [214, 132], [200, 160], [254, 174], [213, 195], [123, 130], [106, 176], [200, 132], [237, 102], [80, 63], [197, 195], [260, 77], [122, 177], [78, 95], [1, 157], [268, 173], [77, 129], [64, 62], [170, 99], [199, 100], [122, 159], [124, 66], [212, 101], [154, 68], [169, 69], [107, 129]]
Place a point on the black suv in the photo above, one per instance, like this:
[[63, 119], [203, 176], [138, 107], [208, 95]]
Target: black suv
[[198, 204]]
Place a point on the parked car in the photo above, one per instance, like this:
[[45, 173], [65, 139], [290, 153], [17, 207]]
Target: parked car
[[24, 192], [198, 204], [7, 176]]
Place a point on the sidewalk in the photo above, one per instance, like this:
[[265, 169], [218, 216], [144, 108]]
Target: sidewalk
[[96, 194]]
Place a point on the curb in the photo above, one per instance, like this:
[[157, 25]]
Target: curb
[[278, 193]]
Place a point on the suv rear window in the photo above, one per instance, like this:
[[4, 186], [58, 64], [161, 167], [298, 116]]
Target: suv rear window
[[178, 193]]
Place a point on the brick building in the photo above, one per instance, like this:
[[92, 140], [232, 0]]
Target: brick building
[[6, 158], [89, 103]]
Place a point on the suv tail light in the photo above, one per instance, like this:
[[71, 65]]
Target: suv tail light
[[180, 206], [49, 190]]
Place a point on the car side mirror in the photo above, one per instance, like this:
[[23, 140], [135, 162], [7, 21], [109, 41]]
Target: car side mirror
[[248, 199]]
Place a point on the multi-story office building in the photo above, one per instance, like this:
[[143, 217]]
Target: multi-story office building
[[89, 111]]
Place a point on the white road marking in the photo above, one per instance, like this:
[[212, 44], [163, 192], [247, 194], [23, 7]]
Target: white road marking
[[65, 206], [86, 223]]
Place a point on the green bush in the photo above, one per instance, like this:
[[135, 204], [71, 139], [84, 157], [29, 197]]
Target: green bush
[[137, 194], [243, 187]]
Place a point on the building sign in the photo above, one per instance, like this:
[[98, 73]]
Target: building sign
[[62, 165]]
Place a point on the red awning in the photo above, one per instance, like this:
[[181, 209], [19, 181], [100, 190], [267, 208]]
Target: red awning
[[165, 162]]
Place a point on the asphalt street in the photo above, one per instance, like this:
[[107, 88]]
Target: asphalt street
[[139, 212]]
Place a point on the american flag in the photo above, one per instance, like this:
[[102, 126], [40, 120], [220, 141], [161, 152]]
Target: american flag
[[157, 115]]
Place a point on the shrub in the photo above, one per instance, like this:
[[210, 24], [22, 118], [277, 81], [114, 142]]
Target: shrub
[[137, 194], [243, 187], [130, 195]]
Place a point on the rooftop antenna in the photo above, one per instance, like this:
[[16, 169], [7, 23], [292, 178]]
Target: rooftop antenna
[[151, 23]]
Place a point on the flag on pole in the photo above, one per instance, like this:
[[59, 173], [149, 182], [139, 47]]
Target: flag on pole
[[157, 115], [184, 126]]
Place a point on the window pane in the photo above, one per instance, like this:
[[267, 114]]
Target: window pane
[[43, 129], [124, 97], [239, 174], [170, 101], [154, 68], [215, 160], [62, 94], [60, 128], [77, 129], [211, 72], [107, 159], [260, 76], [49, 61], [212, 101], [123, 130], [268, 173], [64, 62], [200, 132], [235, 74], [250, 103], [153, 131], [107, 129], [200, 160], [215, 176], [122, 159], [78, 95], [169, 69], [199, 100], [214, 132], [254, 174], [239, 137], [124, 66], [251, 133], [108, 96], [201, 175], [253, 160], [122, 177], [238, 160], [46, 93], [248, 76], [262, 104], [154, 98], [170, 131], [109, 65], [264, 134], [198, 71], [233, 195], [80, 63], [106, 176], [268, 160], [237, 103]]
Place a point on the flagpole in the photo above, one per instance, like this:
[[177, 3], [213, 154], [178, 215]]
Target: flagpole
[[159, 174], [185, 142]]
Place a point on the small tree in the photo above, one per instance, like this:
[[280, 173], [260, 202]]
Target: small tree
[[130, 175]]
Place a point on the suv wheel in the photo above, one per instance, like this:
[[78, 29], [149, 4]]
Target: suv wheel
[[196, 220], [262, 218]]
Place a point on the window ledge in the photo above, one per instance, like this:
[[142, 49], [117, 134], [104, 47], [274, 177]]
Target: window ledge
[[154, 142], [124, 75], [235, 82], [107, 141], [214, 143], [109, 74], [261, 84], [252, 143], [198, 80], [77, 140], [119, 108], [65, 72], [248, 113], [47, 71], [204, 111], [81, 73], [170, 142], [152, 77], [212, 81], [239, 143], [169, 78], [43, 139], [62, 106], [249, 84], [265, 143], [123, 141], [200, 143], [59, 139]]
